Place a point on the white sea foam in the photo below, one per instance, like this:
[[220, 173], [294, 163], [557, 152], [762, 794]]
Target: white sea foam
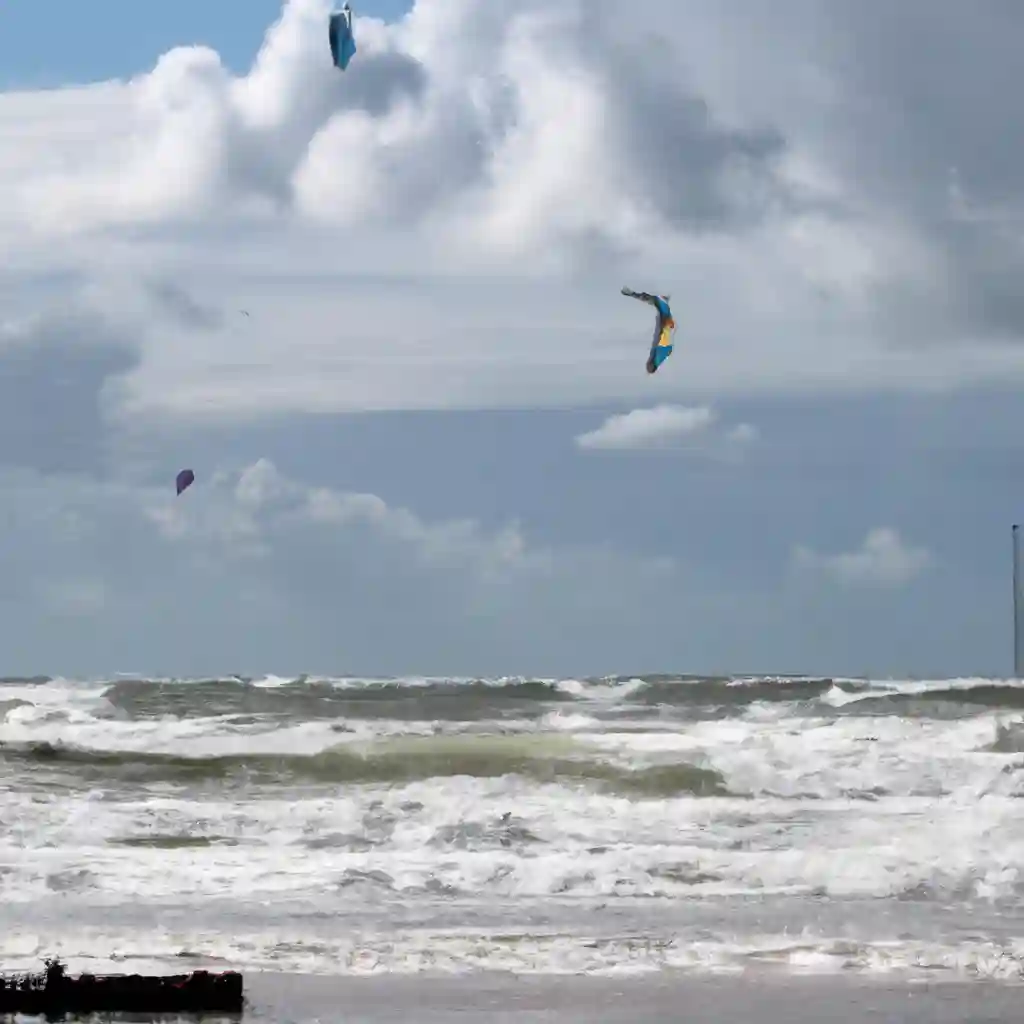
[[819, 802], [161, 952]]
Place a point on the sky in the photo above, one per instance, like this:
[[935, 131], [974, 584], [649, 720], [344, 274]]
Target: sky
[[378, 313]]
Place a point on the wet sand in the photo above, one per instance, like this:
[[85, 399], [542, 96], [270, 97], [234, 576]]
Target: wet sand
[[299, 999]]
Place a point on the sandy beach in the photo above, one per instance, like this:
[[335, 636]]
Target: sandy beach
[[298, 999]]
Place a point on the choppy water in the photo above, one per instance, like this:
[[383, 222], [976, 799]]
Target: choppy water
[[369, 826]]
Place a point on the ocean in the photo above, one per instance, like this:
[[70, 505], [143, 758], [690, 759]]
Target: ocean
[[519, 836]]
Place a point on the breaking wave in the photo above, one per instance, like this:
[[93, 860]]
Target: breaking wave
[[411, 759]]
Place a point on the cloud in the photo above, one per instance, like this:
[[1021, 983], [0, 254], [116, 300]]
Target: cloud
[[883, 560], [173, 300], [251, 563], [465, 91], [886, 112], [447, 224], [667, 426], [245, 513], [54, 367]]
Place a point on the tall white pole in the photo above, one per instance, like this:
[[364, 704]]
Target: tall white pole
[[1017, 674]]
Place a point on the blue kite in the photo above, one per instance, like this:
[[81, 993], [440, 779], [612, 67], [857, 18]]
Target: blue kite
[[343, 42]]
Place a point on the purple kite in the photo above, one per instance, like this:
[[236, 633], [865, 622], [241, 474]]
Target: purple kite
[[185, 478]]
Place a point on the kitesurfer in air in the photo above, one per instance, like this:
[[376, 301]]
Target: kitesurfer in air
[[661, 347]]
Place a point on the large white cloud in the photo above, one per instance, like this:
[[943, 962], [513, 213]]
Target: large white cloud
[[447, 223]]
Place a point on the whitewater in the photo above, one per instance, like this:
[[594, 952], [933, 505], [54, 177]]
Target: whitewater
[[539, 827]]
